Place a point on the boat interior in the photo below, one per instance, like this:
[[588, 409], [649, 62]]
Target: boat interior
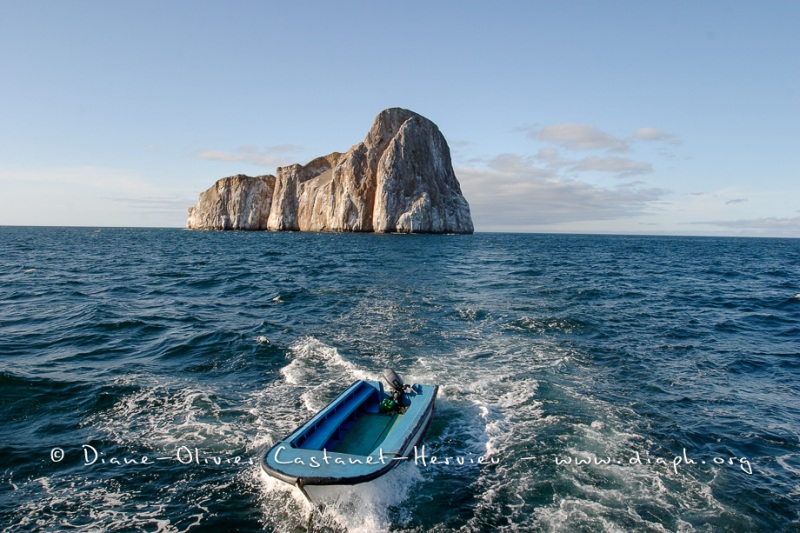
[[354, 425]]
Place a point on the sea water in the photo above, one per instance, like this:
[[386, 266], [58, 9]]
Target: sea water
[[587, 383]]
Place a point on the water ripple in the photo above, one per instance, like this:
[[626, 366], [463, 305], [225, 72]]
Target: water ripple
[[548, 348]]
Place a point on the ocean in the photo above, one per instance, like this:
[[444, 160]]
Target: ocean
[[587, 383]]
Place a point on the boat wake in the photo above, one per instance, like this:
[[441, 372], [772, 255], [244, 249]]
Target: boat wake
[[321, 371], [369, 508], [550, 451]]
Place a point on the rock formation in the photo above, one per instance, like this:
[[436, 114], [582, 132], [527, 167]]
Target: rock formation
[[238, 202], [399, 179]]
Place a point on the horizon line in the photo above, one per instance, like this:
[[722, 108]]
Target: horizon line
[[492, 232]]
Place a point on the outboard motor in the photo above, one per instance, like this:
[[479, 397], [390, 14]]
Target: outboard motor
[[394, 380], [393, 404]]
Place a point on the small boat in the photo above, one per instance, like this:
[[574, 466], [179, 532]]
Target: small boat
[[358, 437]]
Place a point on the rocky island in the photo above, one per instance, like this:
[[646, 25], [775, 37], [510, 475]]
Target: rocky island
[[398, 180]]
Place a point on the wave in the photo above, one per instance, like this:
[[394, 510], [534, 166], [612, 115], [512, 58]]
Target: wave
[[163, 414], [84, 504], [541, 326], [527, 425], [144, 341]]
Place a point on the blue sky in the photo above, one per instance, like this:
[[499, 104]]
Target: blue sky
[[591, 117]]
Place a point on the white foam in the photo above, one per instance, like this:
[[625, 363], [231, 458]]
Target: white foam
[[495, 408], [11, 481], [321, 370], [571, 514], [315, 373], [612, 505], [783, 461], [312, 361], [88, 505], [364, 508], [163, 415]]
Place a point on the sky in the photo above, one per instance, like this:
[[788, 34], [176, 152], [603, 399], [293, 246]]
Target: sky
[[624, 117]]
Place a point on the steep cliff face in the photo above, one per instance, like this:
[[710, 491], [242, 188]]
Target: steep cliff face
[[286, 202], [239, 202], [416, 188], [399, 179], [295, 193]]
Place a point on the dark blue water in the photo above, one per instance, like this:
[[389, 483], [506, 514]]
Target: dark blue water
[[617, 383]]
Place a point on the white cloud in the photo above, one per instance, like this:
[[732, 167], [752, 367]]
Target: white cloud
[[548, 163], [554, 188], [774, 226], [653, 134], [515, 164], [623, 167], [83, 177], [88, 196], [548, 154], [579, 137], [515, 192], [154, 204], [270, 156], [736, 201], [587, 137]]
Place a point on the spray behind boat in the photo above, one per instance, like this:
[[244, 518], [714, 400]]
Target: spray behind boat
[[394, 403]]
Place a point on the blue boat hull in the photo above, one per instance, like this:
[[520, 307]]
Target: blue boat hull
[[351, 440]]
